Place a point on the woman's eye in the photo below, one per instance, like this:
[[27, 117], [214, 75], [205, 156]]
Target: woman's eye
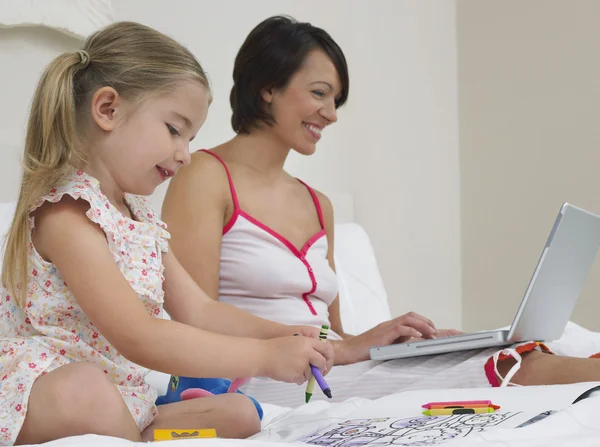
[[172, 130], [319, 93]]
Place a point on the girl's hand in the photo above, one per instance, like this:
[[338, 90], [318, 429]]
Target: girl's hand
[[305, 331], [310, 332], [288, 359]]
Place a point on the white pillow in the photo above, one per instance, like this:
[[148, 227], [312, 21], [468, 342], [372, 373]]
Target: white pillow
[[363, 300]]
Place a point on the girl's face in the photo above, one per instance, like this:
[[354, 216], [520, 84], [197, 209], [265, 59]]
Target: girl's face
[[306, 105], [147, 145]]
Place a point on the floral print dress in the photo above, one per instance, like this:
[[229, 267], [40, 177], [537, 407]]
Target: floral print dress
[[52, 330]]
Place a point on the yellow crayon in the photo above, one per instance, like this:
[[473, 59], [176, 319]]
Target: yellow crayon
[[310, 386], [449, 411], [168, 434]]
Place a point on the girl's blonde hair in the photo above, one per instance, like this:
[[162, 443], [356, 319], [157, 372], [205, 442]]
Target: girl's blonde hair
[[135, 60]]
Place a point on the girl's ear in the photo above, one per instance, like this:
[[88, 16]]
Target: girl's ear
[[107, 108]]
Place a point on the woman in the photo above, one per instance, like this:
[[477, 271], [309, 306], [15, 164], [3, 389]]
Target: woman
[[253, 236]]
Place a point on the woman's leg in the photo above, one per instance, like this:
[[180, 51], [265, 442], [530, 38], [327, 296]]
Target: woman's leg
[[539, 368], [231, 415], [75, 399]]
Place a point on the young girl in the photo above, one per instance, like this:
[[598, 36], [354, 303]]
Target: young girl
[[87, 268]]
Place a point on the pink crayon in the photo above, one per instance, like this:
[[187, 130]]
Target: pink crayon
[[464, 403]]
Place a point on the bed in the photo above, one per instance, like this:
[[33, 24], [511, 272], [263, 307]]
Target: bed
[[396, 419]]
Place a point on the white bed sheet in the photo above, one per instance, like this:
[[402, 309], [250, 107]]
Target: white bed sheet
[[373, 380], [572, 425]]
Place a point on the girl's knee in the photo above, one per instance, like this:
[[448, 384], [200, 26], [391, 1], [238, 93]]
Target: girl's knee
[[85, 396], [244, 416], [75, 399]]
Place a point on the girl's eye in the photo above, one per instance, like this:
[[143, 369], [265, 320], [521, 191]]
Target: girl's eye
[[172, 130], [319, 93]]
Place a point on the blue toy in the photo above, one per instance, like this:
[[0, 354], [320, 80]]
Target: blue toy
[[184, 388]]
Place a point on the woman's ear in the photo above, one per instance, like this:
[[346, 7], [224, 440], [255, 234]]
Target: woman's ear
[[267, 95], [106, 108]]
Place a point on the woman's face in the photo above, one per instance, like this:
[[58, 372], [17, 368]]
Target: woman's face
[[306, 105]]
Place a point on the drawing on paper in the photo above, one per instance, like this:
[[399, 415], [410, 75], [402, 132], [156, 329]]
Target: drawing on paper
[[415, 431]]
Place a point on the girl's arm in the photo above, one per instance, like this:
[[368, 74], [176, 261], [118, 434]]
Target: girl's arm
[[78, 248], [187, 303]]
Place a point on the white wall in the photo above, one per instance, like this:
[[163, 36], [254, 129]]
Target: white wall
[[529, 107], [404, 150], [394, 148], [23, 54]]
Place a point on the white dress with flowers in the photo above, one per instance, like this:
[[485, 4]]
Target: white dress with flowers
[[52, 330]]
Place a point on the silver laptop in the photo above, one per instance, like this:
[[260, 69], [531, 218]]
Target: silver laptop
[[549, 300]]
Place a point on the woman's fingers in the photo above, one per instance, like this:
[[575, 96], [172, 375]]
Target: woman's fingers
[[421, 324]]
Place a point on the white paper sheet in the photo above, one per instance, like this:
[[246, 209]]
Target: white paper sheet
[[397, 419]]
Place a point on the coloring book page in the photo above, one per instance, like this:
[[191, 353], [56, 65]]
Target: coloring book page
[[398, 420], [412, 431]]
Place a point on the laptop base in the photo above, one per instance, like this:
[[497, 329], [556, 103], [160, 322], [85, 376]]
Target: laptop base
[[463, 342]]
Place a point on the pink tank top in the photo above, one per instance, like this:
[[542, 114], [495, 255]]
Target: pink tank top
[[264, 274]]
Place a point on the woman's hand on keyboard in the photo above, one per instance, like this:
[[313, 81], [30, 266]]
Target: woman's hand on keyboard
[[398, 330], [441, 333]]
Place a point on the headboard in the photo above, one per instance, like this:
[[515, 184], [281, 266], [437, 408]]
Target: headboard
[[77, 19]]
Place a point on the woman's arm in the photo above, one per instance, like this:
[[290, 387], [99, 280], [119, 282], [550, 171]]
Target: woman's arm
[[344, 354], [335, 319], [194, 209], [78, 248], [354, 349]]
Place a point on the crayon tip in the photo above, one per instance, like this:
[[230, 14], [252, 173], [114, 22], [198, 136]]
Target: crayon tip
[[327, 392], [307, 396]]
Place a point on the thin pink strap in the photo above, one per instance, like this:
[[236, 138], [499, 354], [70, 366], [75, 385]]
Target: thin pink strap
[[231, 187], [317, 203]]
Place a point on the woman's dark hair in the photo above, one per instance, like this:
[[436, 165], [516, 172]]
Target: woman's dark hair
[[271, 54]]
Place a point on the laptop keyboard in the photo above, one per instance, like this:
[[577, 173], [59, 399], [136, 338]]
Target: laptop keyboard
[[452, 337]]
